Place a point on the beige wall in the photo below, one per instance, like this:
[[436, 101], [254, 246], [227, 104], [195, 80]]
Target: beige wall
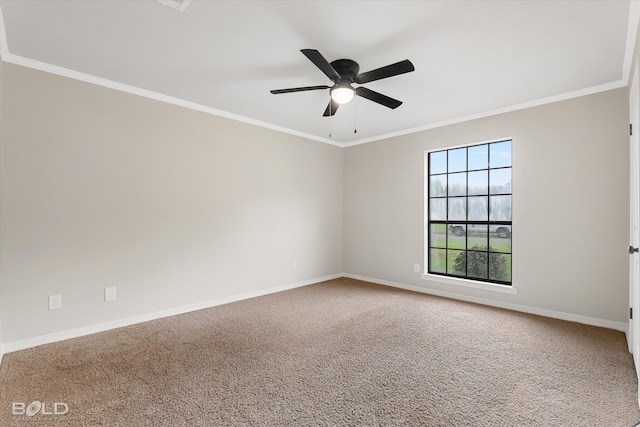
[[570, 213], [172, 206]]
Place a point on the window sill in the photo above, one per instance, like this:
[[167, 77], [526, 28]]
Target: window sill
[[470, 284]]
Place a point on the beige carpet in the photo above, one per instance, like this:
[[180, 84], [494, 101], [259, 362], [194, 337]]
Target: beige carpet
[[337, 353]]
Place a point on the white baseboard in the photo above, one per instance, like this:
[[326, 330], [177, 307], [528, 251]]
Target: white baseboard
[[87, 330], [618, 326]]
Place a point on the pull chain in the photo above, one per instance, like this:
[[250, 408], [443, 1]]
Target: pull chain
[[330, 116], [355, 116]]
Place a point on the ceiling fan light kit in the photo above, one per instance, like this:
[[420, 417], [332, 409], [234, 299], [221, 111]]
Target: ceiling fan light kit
[[345, 72], [342, 94]]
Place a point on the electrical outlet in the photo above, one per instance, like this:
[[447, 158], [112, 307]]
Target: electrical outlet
[[110, 293], [416, 268], [294, 265], [55, 302]]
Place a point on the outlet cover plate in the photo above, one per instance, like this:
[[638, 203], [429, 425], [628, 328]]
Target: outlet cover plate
[[55, 302], [110, 293]]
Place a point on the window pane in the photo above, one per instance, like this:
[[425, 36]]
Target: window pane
[[438, 185], [500, 181], [458, 184], [500, 154], [478, 237], [478, 183], [457, 236], [499, 208], [500, 267], [438, 260], [500, 238], [456, 262], [478, 157], [438, 235], [457, 160], [438, 209], [478, 264], [478, 208], [458, 209], [438, 162]]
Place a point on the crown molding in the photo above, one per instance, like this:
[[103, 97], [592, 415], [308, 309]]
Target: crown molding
[[521, 106]]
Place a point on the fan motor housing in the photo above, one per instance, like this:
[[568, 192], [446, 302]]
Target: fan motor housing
[[347, 69]]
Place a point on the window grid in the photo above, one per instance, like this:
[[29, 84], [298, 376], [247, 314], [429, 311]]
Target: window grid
[[477, 244]]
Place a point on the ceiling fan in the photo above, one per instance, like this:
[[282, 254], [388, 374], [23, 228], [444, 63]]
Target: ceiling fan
[[345, 72]]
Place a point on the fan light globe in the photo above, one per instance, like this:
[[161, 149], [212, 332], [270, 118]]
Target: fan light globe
[[342, 94]]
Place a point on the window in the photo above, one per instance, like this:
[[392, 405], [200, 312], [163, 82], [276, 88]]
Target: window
[[468, 212]]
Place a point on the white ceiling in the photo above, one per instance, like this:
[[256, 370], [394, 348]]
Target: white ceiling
[[472, 58]]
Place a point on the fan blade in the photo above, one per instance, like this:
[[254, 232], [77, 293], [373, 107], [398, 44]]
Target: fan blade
[[378, 97], [382, 73], [298, 89], [331, 108], [319, 61]]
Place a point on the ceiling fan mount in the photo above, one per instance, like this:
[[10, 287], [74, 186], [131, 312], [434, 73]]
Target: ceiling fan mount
[[343, 73], [347, 69]]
